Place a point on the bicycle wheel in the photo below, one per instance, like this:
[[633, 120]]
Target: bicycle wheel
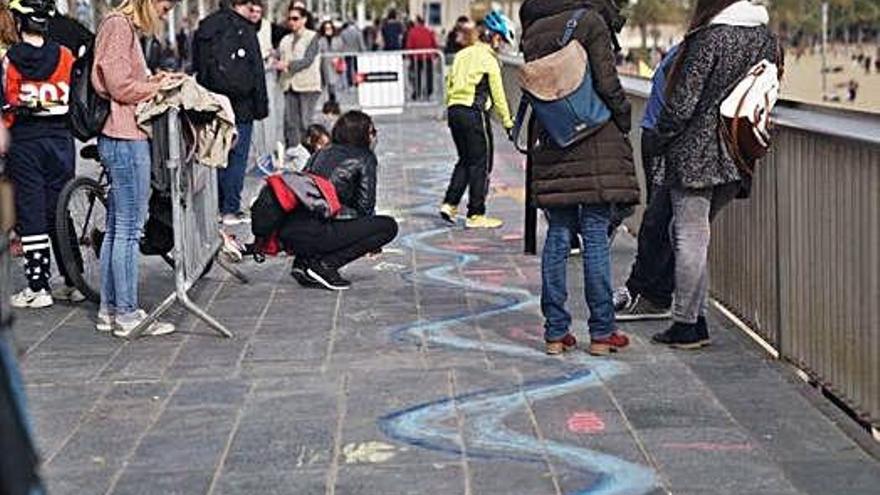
[[81, 219]]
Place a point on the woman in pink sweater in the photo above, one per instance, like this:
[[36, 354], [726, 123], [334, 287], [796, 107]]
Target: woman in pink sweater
[[120, 74]]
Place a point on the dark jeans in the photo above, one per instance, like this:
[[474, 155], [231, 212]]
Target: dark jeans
[[40, 168], [653, 273], [351, 70], [422, 78], [472, 134], [337, 242], [592, 223], [19, 464], [231, 178]]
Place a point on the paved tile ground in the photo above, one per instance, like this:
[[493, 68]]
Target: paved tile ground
[[426, 378]]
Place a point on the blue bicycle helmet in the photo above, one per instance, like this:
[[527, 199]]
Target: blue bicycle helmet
[[497, 22]]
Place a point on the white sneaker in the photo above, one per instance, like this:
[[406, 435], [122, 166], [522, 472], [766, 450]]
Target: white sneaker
[[65, 293], [105, 322], [232, 219], [124, 329], [622, 298], [232, 249], [30, 299]]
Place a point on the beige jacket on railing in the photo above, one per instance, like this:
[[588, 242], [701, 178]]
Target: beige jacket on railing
[[293, 49], [215, 138]]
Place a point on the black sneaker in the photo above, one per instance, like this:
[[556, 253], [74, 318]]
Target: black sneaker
[[298, 272], [327, 276], [640, 308], [703, 331], [679, 336]]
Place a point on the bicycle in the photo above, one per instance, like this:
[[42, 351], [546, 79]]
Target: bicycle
[[81, 213], [82, 219]]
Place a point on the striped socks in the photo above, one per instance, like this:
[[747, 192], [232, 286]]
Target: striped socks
[[37, 266]]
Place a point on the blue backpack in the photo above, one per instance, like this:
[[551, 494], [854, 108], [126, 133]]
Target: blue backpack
[[559, 89]]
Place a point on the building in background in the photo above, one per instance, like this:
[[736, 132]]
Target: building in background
[[441, 14]]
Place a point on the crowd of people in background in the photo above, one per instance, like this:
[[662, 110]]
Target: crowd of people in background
[[581, 186]]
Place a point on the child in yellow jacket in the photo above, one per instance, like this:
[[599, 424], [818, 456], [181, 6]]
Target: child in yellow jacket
[[474, 87]]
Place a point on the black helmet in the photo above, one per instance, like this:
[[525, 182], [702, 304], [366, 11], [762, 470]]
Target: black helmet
[[33, 15]]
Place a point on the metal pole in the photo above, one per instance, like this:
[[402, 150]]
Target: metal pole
[[172, 29], [824, 50], [361, 14], [203, 11]]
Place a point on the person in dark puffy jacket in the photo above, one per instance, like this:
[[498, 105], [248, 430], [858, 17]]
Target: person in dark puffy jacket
[[577, 186], [323, 247], [725, 39]]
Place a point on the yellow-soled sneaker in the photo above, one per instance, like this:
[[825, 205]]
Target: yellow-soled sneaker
[[448, 212], [483, 222]]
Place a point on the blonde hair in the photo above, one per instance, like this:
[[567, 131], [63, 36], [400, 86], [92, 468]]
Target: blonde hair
[[142, 13]]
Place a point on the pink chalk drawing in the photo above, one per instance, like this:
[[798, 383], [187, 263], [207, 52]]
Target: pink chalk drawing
[[522, 334], [587, 422], [487, 276], [710, 446], [461, 247]]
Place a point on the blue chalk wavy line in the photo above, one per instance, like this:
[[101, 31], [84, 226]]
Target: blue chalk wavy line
[[428, 425]]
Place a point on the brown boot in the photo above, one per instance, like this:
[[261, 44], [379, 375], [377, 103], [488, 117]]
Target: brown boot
[[613, 343], [567, 343]]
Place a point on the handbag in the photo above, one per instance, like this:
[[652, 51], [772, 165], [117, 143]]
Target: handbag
[[745, 114], [559, 90]]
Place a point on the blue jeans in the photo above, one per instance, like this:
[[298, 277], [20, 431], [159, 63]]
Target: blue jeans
[[14, 386], [128, 163], [231, 178], [592, 223]]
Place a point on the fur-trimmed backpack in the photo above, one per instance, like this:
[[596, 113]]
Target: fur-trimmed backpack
[[559, 89]]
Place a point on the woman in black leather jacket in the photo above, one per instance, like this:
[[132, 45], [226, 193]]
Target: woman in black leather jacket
[[323, 247]]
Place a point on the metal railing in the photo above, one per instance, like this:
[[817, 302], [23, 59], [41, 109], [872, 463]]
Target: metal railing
[[197, 238], [799, 262]]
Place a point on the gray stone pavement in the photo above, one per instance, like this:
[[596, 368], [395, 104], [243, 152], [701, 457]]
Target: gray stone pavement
[[426, 378]]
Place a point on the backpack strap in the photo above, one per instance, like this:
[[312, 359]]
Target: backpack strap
[[571, 26]]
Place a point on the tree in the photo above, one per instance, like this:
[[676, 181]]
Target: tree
[[805, 16], [647, 14]]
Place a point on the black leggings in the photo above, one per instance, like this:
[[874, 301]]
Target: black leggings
[[337, 242], [472, 134]]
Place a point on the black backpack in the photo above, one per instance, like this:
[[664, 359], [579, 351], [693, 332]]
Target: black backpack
[[88, 110], [228, 69]]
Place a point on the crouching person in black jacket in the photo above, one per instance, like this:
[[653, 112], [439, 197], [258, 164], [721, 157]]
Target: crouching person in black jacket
[[323, 247]]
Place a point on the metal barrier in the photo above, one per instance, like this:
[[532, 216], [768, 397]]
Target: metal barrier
[[387, 82], [269, 131], [799, 262], [197, 237], [374, 82]]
